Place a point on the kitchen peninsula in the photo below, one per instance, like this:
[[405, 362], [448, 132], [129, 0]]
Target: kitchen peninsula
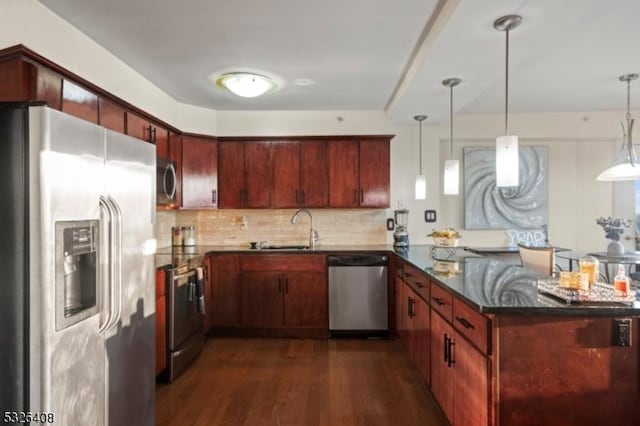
[[490, 347]]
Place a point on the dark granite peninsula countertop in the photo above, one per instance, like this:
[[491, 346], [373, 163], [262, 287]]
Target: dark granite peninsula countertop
[[501, 285]]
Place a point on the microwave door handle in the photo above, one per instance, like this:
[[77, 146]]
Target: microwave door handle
[[106, 224], [171, 193]]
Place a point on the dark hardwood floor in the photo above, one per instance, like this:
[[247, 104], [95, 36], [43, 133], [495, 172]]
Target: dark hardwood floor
[[299, 382]]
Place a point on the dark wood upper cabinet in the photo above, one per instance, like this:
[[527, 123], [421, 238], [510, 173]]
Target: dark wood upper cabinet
[[359, 173], [48, 87], [111, 115], [286, 174], [231, 174], [344, 189], [245, 174], [299, 174], [258, 174], [199, 172], [314, 171], [79, 102], [374, 170], [140, 128]]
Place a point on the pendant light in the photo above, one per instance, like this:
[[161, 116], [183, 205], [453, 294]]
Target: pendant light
[[626, 166], [421, 180], [451, 166], [507, 160]]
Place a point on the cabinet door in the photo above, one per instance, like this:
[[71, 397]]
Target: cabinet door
[[79, 102], [224, 306], [421, 328], [161, 334], [374, 173], [343, 173], [139, 127], [199, 172], [231, 174], [261, 299], [313, 174], [471, 387], [161, 321], [402, 311], [258, 174], [110, 115], [48, 87], [286, 175], [441, 371], [305, 300]]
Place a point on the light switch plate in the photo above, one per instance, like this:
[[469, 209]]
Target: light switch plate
[[429, 215]]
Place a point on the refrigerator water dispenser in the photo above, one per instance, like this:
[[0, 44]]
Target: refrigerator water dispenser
[[76, 271]]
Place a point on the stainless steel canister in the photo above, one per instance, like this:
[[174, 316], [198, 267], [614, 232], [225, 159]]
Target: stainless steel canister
[[176, 236], [188, 236]]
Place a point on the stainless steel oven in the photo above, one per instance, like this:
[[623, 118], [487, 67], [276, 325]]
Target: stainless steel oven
[[166, 182], [185, 315]]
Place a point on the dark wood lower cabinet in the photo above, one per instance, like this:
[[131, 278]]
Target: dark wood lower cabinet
[[223, 306], [161, 322], [305, 300], [262, 299]]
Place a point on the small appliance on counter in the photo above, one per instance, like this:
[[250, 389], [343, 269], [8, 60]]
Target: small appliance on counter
[[401, 235]]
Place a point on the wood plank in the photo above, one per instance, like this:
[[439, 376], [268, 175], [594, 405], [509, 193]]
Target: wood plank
[[299, 382]]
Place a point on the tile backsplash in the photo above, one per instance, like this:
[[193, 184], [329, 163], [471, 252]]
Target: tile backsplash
[[239, 227]]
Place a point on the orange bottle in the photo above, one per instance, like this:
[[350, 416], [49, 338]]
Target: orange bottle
[[621, 283]]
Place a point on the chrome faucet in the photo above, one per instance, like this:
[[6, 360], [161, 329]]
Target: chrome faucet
[[313, 234]]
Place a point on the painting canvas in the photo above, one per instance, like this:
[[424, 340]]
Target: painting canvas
[[520, 207]]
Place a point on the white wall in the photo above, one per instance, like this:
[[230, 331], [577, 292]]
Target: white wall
[[580, 144], [29, 23]]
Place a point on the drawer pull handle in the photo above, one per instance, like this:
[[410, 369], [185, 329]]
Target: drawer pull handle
[[439, 301], [419, 284], [466, 324]]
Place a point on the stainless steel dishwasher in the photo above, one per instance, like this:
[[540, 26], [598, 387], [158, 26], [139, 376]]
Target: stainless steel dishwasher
[[358, 303]]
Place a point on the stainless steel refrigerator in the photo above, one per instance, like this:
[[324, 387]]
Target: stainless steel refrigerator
[[77, 294]]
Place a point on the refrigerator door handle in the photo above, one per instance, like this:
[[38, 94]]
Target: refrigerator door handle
[[114, 257], [107, 216], [117, 259]]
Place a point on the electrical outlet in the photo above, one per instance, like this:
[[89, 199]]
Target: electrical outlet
[[429, 215], [621, 332]]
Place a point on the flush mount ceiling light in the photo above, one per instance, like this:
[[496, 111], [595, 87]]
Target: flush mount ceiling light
[[451, 166], [626, 165], [421, 180], [247, 85], [507, 160]]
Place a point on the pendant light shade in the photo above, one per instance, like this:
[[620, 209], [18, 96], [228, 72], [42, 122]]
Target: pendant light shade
[[626, 165], [451, 177], [421, 180], [451, 181], [507, 160]]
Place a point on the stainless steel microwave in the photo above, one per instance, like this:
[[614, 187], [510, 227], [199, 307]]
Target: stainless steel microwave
[[166, 182]]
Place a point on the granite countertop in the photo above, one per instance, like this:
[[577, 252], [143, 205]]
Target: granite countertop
[[491, 285]]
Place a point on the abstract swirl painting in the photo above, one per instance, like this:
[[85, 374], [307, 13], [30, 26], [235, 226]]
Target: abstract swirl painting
[[518, 207]]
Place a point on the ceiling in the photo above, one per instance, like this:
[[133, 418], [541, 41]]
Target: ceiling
[[376, 54]]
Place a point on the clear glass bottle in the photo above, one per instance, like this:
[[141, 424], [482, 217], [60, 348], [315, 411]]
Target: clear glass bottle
[[621, 282]]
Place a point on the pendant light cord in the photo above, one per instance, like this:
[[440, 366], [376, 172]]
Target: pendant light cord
[[420, 139], [506, 89], [451, 122]]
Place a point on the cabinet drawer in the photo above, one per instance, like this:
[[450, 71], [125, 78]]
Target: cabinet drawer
[[418, 281], [441, 301], [284, 262], [473, 325]]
